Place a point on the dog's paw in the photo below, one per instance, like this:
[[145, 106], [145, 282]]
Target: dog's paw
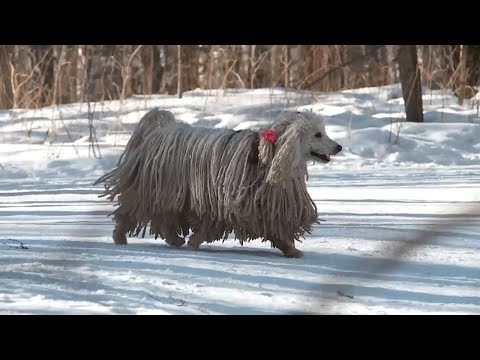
[[177, 242], [193, 245], [119, 240], [293, 253]]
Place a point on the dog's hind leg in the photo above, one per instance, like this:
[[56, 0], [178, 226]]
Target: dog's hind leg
[[288, 249], [122, 227], [205, 230], [198, 234], [195, 241], [172, 238], [166, 227]]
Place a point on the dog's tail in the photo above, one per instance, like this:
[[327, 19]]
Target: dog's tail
[[152, 120]]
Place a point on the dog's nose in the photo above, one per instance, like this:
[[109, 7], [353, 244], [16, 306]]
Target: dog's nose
[[339, 148]]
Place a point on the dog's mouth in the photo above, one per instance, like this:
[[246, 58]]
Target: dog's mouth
[[324, 158]]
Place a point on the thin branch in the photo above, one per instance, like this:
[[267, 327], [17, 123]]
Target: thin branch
[[338, 67]]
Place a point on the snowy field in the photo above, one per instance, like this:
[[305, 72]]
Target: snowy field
[[392, 179]]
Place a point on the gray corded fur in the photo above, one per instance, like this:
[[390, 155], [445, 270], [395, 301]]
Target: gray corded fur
[[173, 178]]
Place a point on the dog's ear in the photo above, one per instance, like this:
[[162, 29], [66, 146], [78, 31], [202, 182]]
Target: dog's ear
[[286, 156]]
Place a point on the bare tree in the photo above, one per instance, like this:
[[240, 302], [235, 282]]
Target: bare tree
[[39, 75]]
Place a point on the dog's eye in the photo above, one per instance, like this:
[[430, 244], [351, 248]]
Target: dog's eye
[[318, 135]]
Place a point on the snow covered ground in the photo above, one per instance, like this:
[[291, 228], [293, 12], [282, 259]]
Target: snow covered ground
[[392, 179]]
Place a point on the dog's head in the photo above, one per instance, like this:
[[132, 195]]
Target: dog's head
[[292, 141]]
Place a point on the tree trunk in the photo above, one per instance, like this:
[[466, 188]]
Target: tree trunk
[[411, 83], [81, 73], [149, 57], [23, 68], [203, 62], [461, 90], [6, 90], [252, 61], [296, 56], [179, 71], [244, 63], [286, 61]]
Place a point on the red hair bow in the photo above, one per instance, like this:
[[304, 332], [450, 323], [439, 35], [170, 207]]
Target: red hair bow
[[269, 135]]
